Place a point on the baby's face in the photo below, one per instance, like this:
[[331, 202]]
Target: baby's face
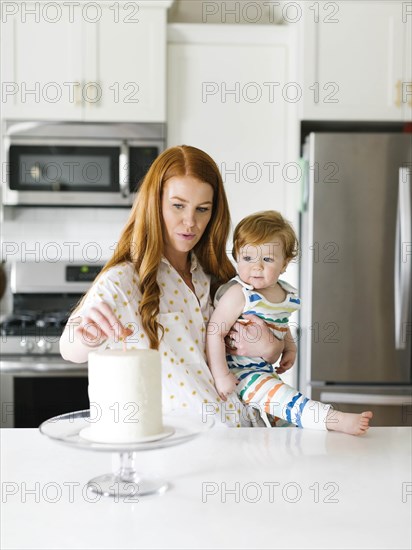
[[260, 265]]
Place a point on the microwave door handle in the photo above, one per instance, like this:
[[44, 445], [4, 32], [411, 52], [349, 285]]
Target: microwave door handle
[[124, 171], [403, 271]]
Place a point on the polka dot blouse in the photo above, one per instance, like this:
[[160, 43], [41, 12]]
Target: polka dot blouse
[[187, 383]]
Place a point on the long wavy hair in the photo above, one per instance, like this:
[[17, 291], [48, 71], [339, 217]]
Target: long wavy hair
[[142, 241]]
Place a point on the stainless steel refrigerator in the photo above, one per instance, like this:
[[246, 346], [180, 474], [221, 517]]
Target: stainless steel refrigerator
[[355, 274]]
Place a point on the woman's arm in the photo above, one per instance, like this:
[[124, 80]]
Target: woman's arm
[[89, 331], [97, 320]]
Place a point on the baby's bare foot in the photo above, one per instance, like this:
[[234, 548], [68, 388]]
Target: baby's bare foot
[[349, 423]]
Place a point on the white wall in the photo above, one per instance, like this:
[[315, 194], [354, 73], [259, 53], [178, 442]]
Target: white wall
[[50, 234]]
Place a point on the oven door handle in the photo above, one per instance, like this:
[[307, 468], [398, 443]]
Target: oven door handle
[[18, 367]]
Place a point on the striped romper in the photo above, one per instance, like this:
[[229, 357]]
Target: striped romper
[[259, 384]]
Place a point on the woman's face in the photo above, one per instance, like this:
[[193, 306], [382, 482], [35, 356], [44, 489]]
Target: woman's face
[[187, 208]]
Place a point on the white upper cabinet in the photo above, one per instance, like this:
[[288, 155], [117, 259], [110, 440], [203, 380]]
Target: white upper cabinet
[[229, 94], [41, 67], [127, 61], [87, 61], [407, 65], [356, 60]]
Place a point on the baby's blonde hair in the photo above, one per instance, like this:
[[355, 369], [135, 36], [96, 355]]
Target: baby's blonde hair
[[263, 227]]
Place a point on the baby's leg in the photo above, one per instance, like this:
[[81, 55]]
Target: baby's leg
[[350, 423], [267, 392]]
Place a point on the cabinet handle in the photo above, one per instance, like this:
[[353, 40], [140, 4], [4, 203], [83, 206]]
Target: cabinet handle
[[100, 88], [78, 94], [398, 87], [399, 92], [409, 88], [98, 85]]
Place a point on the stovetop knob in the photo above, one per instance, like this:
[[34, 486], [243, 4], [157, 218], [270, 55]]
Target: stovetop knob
[[27, 345], [44, 345]]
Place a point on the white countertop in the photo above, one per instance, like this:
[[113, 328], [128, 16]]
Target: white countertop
[[291, 488]]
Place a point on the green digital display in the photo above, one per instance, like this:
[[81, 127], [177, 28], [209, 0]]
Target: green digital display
[[82, 273]]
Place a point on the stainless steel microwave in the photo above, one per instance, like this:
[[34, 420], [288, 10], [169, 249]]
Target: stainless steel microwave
[[77, 164]]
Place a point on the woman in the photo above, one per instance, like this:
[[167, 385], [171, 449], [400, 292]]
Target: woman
[[157, 288]]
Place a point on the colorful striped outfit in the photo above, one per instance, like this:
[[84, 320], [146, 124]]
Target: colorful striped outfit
[[259, 384]]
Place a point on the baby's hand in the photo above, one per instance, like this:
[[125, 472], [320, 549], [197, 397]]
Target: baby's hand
[[287, 360], [225, 385]]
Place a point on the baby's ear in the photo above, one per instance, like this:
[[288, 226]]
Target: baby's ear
[[285, 265]]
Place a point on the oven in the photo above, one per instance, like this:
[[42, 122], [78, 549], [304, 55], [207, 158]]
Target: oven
[[77, 164], [36, 383]]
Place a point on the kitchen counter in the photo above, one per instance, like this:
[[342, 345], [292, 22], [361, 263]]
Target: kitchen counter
[[238, 488]]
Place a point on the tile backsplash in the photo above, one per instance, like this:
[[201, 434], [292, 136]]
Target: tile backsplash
[[86, 235]]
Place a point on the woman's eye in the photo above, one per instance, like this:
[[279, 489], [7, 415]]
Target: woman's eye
[[178, 206], [203, 209]]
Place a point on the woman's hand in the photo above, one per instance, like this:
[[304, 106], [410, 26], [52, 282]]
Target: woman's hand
[[98, 324], [254, 339], [287, 361], [226, 384], [84, 333], [288, 355]]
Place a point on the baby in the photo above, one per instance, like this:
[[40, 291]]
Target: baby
[[263, 245]]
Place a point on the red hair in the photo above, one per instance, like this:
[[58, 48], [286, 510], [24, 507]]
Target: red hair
[[141, 241]]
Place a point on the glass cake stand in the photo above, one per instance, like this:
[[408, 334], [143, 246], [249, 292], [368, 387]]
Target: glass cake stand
[[126, 482]]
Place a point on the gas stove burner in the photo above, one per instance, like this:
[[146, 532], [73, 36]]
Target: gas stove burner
[[30, 323], [43, 296], [55, 316], [19, 319], [52, 319], [22, 317]]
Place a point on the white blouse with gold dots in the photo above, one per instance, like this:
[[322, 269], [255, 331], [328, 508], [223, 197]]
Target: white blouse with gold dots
[[187, 381]]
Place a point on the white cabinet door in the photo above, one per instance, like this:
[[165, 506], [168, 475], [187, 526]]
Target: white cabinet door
[[99, 61], [40, 69], [407, 68], [125, 64], [226, 88], [353, 60]]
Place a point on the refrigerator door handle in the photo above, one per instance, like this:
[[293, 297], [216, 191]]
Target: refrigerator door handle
[[403, 270], [365, 399]]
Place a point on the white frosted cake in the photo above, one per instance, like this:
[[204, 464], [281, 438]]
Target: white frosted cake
[[125, 393]]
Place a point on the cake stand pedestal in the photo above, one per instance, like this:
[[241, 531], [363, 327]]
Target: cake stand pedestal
[[125, 482]]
